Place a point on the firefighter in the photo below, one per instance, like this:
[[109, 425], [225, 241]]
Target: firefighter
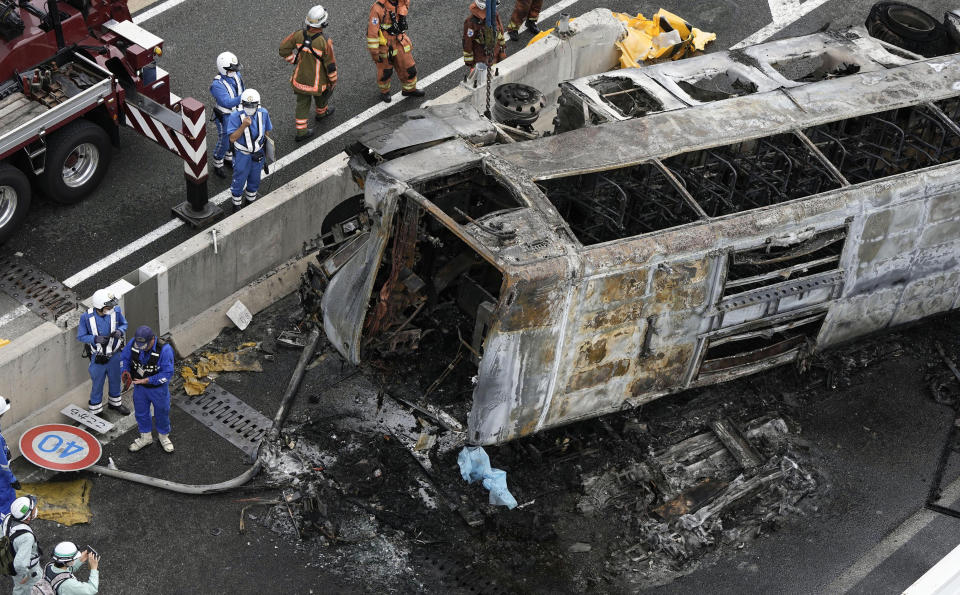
[[475, 42], [527, 10], [391, 48], [147, 363], [315, 69], [101, 329], [248, 129], [226, 89]]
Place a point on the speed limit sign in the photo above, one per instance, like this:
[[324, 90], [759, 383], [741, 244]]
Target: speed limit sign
[[60, 447]]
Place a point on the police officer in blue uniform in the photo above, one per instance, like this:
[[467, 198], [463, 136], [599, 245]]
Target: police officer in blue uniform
[[8, 481], [248, 129], [147, 363], [226, 89], [101, 329]]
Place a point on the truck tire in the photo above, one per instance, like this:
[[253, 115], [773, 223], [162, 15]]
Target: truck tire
[[907, 27], [77, 159], [14, 199]]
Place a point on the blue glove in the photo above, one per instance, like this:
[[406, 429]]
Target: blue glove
[[101, 340]]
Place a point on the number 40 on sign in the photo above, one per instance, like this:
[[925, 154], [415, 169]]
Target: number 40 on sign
[[60, 447]]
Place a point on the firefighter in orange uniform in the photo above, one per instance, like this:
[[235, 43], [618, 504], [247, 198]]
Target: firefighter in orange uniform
[[390, 47], [475, 42], [525, 10], [315, 69]]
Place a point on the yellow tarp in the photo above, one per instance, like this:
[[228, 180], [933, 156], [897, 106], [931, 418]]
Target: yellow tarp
[[244, 359], [64, 502], [192, 385], [644, 42]]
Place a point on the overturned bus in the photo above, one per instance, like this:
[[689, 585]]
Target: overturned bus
[[630, 258]]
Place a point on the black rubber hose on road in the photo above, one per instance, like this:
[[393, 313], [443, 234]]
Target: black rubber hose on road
[[293, 386]]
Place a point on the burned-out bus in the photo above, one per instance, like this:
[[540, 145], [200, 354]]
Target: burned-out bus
[[624, 259]]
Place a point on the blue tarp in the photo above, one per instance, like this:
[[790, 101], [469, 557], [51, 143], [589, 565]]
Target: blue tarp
[[475, 466]]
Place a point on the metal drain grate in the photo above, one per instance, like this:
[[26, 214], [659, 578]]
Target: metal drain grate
[[39, 292], [242, 425]]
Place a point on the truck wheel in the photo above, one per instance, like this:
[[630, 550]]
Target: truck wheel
[[77, 158], [907, 27], [14, 199]]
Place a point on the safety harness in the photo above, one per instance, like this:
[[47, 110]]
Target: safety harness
[[308, 44], [55, 579], [141, 370], [102, 353]]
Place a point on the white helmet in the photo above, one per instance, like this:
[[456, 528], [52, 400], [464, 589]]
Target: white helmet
[[227, 62], [24, 508], [481, 4], [250, 101], [103, 298], [317, 17], [4, 405], [65, 553]]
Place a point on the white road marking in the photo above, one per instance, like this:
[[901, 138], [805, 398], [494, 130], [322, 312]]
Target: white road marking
[[13, 315], [281, 163], [159, 8], [784, 12], [891, 543]]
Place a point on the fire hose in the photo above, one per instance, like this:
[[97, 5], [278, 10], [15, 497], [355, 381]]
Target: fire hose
[[293, 387]]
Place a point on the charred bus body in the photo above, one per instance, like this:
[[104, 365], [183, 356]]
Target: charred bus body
[[616, 263]]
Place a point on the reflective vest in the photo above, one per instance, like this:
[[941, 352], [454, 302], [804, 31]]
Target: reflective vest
[[249, 143], [232, 92], [146, 369], [113, 345]]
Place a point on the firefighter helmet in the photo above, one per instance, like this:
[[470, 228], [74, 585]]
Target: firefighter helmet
[[103, 299], [317, 17], [227, 62]]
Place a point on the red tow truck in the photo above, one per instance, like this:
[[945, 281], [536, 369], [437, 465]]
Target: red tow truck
[[72, 72]]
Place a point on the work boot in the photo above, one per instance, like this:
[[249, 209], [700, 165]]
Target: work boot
[[165, 442], [306, 135], [385, 97], [121, 409], [326, 114], [413, 93], [532, 26], [513, 35], [143, 440], [220, 171]]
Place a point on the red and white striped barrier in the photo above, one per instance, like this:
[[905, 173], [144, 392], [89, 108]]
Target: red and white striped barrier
[[189, 143]]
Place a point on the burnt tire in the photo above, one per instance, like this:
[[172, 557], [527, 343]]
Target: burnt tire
[[907, 27], [77, 159], [14, 199]]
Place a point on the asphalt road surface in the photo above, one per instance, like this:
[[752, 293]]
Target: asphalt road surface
[[144, 181]]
